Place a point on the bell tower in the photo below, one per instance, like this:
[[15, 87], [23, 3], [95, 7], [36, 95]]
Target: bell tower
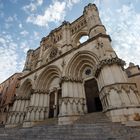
[[94, 23]]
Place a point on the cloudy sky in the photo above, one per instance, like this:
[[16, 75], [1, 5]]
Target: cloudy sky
[[24, 22]]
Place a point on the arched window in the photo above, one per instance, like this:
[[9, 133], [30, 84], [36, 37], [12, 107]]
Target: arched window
[[83, 39]]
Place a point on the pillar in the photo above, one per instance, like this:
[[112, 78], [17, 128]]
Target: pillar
[[36, 110], [73, 100], [55, 102], [120, 96]]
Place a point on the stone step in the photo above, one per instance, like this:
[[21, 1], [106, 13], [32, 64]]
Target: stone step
[[99, 128], [49, 121], [93, 117]]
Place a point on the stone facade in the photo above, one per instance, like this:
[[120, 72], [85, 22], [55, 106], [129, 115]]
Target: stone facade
[[74, 71], [7, 94]]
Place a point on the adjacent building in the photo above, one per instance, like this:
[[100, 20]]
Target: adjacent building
[[7, 94]]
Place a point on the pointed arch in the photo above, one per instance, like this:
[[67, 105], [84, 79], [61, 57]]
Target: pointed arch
[[76, 38], [48, 76], [79, 62], [26, 88]]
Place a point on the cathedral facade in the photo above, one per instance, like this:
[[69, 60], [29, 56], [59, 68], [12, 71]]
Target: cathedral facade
[[74, 71]]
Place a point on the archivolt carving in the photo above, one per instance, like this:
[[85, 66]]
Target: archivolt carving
[[72, 79], [50, 73], [79, 61], [40, 91], [25, 89]]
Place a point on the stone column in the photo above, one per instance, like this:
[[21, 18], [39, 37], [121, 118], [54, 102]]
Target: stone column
[[55, 102], [73, 100], [36, 110], [121, 96]]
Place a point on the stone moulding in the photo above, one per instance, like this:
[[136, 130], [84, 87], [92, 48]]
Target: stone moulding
[[117, 92], [40, 91], [72, 100], [121, 107], [72, 106], [71, 79], [118, 87], [36, 108], [105, 62], [23, 98], [44, 91], [17, 112]]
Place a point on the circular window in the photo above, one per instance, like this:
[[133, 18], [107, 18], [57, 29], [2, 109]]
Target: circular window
[[88, 72], [53, 52]]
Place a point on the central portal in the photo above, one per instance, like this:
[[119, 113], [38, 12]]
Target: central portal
[[54, 103], [92, 96]]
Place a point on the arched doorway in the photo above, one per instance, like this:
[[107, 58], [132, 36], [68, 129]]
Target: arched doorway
[[51, 105], [49, 80], [55, 98], [58, 100], [92, 96]]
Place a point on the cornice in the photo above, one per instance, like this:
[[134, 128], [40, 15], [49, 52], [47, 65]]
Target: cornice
[[109, 61]]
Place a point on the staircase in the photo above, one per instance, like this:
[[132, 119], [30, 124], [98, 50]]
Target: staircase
[[94, 126], [96, 117]]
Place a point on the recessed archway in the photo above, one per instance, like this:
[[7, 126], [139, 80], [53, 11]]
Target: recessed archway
[[49, 80], [92, 96], [46, 78], [79, 62], [26, 88], [82, 66]]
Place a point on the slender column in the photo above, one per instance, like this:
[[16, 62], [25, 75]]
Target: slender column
[[108, 99], [28, 116], [42, 114], [37, 115], [22, 105], [9, 120], [33, 100], [13, 119], [37, 99], [40, 100], [46, 100], [55, 102], [15, 105], [21, 118]]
